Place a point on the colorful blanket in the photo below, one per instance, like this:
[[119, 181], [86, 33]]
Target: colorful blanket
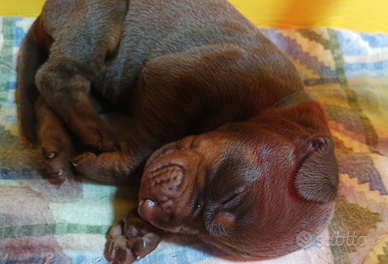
[[347, 72]]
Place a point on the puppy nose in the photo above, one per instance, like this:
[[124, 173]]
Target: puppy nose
[[146, 209], [160, 188]]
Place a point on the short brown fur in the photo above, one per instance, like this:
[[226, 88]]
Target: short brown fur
[[212, 157]]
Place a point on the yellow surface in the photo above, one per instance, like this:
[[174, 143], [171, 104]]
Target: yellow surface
[[23, 8], [360, 15]]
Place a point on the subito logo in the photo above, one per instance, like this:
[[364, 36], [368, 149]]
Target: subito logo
[[304, 239]]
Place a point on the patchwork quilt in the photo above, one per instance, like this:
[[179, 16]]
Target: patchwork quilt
[[346, 71]]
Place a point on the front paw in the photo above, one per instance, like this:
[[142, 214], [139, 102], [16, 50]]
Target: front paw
[[132, 239], [120, 252], [108, 167], [96, 135], [56, 155]]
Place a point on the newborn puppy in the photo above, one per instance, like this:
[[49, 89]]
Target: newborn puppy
[[227, 145]]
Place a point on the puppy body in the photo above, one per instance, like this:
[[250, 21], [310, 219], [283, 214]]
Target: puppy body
[[200, 81]]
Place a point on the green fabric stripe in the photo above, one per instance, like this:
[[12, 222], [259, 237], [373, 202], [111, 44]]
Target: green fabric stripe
[[313, 36], [369, 132], [350, 217], [51, 229], [6, 58]]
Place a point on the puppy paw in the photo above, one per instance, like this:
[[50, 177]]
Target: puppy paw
[[132, 239], [97, 136], [88, 165], [108, 167], [56, 152], [84, 161], [57, 165], [119, 252]]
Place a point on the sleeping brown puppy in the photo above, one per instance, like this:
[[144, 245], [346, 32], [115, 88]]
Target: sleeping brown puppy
[[226, 143]]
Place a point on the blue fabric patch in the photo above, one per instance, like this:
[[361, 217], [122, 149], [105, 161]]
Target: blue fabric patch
[[375, 40], [18, 32], [378, 69], [348, 45], [11, 85]]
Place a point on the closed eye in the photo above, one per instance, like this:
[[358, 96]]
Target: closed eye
[[231, 199]]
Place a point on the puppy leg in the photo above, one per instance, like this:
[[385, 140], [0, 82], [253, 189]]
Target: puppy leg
[[32, 54], [84, 35], [132, 239], [56, 142], [162, 115]]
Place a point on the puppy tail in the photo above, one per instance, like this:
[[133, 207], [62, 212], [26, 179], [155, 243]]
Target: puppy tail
[[33, 53]]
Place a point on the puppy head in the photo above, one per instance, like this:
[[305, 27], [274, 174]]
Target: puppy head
[[248, 194], [181, 179]]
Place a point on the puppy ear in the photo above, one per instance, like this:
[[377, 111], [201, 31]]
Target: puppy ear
[[317, 177]]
